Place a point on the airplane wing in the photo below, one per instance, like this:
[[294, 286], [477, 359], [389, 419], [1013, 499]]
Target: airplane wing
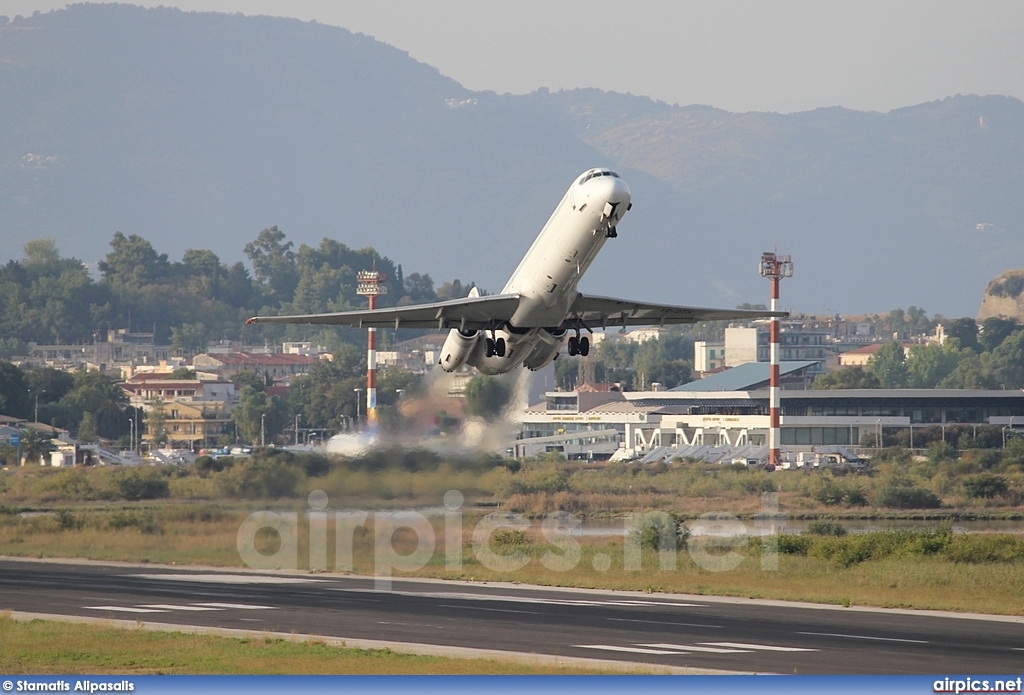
[[608, 311], [467, 313]]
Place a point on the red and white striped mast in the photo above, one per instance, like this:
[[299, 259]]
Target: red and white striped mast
[[370, 284], [775, 267]]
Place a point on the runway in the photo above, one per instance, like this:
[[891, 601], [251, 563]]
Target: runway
[[699, 632]]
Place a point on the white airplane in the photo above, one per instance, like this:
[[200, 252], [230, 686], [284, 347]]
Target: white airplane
[[527, 323]]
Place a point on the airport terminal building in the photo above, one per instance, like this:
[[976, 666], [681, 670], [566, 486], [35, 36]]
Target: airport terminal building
[[677, 423]]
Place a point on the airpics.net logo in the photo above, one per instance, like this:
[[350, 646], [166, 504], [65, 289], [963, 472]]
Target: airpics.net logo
[[407, 540]]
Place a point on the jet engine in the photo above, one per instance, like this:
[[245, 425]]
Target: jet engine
[[457, 348], [545, 353]]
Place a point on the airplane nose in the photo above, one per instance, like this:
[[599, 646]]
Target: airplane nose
[[613, 190]]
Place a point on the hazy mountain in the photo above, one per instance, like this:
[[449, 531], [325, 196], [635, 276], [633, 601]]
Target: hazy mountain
[[197, 130]]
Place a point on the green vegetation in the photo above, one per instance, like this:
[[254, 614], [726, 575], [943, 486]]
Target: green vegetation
[[46, 647], [989, 360], [1010, 287]]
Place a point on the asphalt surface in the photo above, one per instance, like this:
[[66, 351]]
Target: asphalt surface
[[733, 635]]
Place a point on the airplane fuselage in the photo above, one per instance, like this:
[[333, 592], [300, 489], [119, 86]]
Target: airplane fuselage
[[546, 280]]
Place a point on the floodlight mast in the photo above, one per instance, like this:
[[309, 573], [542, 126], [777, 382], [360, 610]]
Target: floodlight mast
[[370, 284], [775, 267]]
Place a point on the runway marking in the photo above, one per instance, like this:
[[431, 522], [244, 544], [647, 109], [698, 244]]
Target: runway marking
[[691, 648], [881, 639], [456, 596], [481, 608], [169, 607], [240, 606], [632, 650], [123, 609], [250, 620], [225, 578], [661, 622], [761, 647]]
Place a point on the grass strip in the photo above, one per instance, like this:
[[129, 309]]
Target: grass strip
[[54, 647]]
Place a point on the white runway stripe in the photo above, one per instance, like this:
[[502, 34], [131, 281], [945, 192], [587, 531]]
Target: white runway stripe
[[632, 650], [123, 609], [759, 647], [691, 648], [169, 607], [880, 639], [240, 606]]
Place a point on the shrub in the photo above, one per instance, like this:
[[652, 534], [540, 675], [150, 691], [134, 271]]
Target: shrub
[[264, 478], [984, 548], [792, 544], [986, 485], [509, 541], [829, 492], [136, 485], [826, 527], [655, 528], [901, 493]]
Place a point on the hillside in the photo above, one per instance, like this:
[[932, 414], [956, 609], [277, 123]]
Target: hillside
[[197, 130]]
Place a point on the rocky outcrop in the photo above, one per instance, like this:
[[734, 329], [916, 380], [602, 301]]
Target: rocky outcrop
[[1004, 296]]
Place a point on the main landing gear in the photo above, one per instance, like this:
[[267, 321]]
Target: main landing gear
[[494, 348], [578, 346]]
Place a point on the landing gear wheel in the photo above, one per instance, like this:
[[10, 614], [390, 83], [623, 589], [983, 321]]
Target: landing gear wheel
[[584, 348], [573, 346], [499, 347], [489, 347]]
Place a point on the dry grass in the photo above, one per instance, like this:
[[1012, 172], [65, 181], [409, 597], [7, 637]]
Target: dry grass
[[187, 534]]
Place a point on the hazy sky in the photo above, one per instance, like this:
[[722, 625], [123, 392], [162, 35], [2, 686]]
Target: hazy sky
[[739, 55]]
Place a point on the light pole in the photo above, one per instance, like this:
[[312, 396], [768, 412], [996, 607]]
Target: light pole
[[131, 437], [358, 412], [263, 429], [297, 416]]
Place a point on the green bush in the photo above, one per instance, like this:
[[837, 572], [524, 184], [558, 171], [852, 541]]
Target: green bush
[[137, 485], [900, 493], [977, 548], [826, 527], [654, 528], [986, 485], [264, 478], [792, 544]]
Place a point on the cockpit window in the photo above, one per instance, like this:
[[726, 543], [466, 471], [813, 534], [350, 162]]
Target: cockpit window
[[595, 174]]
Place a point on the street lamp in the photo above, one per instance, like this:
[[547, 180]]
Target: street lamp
[[131, 437], [358, 398], [297, 416], [263, 429]]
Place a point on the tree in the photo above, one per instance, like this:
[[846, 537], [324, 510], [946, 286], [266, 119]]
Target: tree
[[95, 393], [133, 261], [1007, 361], [156, 422], [995, 330], [419, 288], [190, 338], [855, 377], [274, 263], [965, 331], [34, 445], [249, 377], [87, 428], [487, 397], [14, 400], [260, 417], [888, 365], [927, 365]]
